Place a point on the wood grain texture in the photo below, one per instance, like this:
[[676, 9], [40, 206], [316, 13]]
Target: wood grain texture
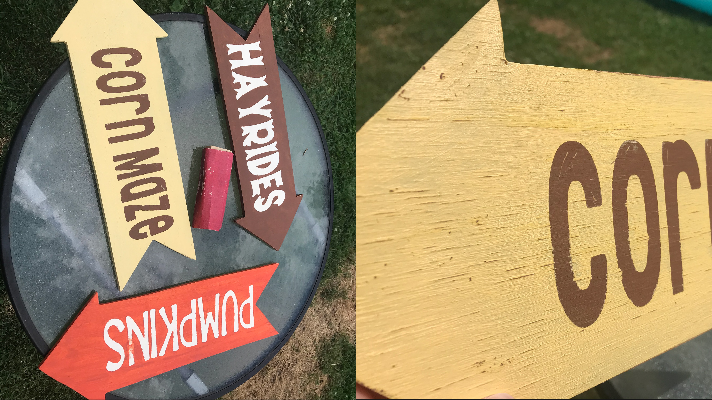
[[456, 288]]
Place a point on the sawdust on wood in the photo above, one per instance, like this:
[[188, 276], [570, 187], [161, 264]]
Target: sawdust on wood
[[294, 372]]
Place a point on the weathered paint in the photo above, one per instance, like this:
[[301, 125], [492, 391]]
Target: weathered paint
[[212, 191], [457, 290]]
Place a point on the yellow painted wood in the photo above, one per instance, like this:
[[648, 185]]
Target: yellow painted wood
[[102, 24], [456, 292]]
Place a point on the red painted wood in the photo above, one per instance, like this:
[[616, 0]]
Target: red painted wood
[[212, 192], [272, 224], [79, 359]]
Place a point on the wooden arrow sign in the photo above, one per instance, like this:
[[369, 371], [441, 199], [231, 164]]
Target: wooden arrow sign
[[249, 76], [119, 82], [109, 346], [527, 229]]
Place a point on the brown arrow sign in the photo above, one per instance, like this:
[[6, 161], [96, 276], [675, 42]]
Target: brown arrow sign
[[249, 77]]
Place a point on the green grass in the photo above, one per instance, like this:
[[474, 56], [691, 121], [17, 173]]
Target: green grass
[[317, 42], [337, 359], [654, 37]]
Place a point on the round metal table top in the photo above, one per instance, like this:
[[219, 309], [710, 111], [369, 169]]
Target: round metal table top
[[54, 244]]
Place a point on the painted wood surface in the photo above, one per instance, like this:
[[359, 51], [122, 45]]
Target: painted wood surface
[[528, 229], [119, 82], [112, 345], [249, 78], [212, 192]]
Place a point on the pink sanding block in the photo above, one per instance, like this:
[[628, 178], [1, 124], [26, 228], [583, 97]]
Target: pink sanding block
[[212, 192]]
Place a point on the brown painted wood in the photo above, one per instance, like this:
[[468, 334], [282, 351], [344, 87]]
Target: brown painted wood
[[264, 165]]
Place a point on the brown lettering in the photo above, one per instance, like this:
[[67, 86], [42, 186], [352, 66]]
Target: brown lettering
[[98, 57], [633, 160], [127, 195], [130, 210], [572, 162], [154, 227], [103, 82], [677, 157], [134, 159], [146, 122], [141, 99]]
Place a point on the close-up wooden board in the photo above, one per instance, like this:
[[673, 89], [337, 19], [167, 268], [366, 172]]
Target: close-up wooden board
[[484, 190]]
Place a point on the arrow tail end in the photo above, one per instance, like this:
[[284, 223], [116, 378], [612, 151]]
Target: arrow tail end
[[186, 249]]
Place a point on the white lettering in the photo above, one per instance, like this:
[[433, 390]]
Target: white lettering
[[257, 109], [266, 182], [210, 321], [172, 328], [252, 316], [256, 167], [244, 50], [153, 333], [235, 309], [113, 366], [251, 132], [141, 336], [260, 150], [247, 84], [275, 197], [191, 316]]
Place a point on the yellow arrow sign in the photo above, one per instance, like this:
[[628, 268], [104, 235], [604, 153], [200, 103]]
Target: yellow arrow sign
[[528, 229], [118, 78]]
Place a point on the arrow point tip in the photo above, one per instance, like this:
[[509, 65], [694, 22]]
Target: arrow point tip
[[488, 25], [122, 281], [264, 13], [484, 28]]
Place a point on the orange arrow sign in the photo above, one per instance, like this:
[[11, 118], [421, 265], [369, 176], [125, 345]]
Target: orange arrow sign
[[249, 76], [118, 78], [109, 346]]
